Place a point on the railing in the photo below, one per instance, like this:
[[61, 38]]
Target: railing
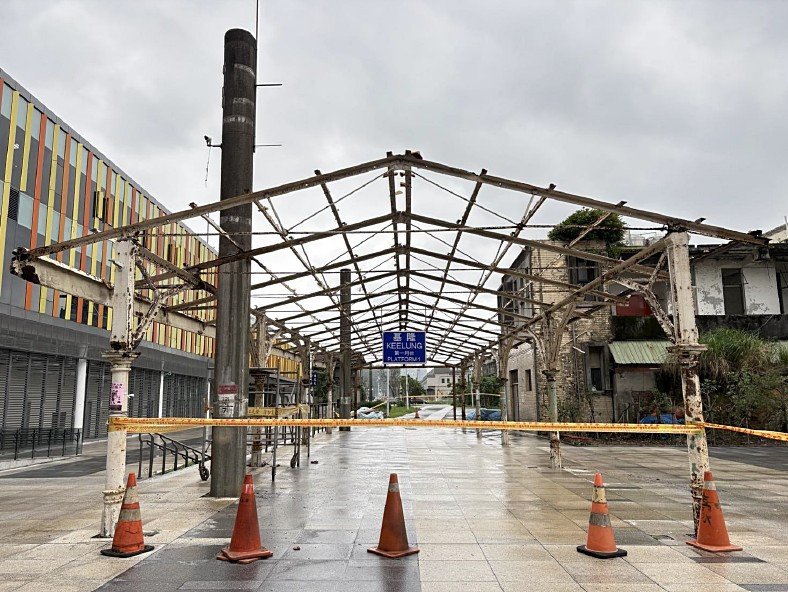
[[318, 411], [178, 454], [40, 442]]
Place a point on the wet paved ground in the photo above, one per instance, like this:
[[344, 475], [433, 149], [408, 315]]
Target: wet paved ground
[[486, 519]]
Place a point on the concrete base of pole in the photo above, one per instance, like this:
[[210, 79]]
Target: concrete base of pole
[[555, 450], [228, 461], [115, 475]]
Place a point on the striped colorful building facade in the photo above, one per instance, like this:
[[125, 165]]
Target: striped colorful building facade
[[55, 186]]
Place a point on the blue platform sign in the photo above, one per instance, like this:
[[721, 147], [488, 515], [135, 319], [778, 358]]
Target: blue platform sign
[[404, 347]]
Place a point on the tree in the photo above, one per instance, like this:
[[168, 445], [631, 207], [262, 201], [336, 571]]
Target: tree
[[414, 387], [611, 230]]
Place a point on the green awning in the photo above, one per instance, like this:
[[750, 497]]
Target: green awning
[[647, 353]]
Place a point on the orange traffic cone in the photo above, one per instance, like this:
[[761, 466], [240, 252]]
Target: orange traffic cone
[[417, 415], [600, 542], [393, 541], [712, 532], [245, 544], [128, 540]]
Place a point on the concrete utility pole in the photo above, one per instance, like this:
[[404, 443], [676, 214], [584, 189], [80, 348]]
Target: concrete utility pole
[[477, 384], [345, 383], [688, 351], [329, 358], [454, 392], [504, 347], [121, 357], [232, 315], [463, 373]]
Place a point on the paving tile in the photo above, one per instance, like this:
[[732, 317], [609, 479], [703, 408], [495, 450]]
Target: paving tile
[[519, 586], [448, 552], [456, 571], [679, 573], [461, 587], [751, 573], [530, 571], [515, 552], [605, 571]]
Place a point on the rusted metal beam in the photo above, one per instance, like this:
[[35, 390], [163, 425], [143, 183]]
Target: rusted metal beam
[[545, 246], [189, 278], [463, 221], [279, 246], [324, 292], [131, 229], [332, 307], [338, 219], [50, 273], [516, 273], [670, 222]]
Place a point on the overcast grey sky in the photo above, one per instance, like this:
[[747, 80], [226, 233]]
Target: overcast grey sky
[[674, 106]]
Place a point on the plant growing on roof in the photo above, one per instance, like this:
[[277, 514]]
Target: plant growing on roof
[[611, 230]]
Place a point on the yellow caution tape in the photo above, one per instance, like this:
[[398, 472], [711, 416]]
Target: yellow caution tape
[[772, 435], [277, 411], [142, 425]]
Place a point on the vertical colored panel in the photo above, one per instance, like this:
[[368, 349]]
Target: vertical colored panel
[[42, 302], [9, 161], [26, 148], [61, 217], [37, 201]]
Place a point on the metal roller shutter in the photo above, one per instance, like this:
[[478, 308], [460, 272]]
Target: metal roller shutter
[[17, 389], [97, 400], [5, 363]]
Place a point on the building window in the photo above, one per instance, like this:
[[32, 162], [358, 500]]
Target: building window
[[595, 367], [733, 291], [513, 383], [582, 272], [782, 290], [527, 381]]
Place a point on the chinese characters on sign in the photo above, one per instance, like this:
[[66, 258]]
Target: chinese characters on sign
[[404, 347]]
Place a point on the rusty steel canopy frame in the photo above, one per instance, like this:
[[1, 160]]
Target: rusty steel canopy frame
[[409, 281]]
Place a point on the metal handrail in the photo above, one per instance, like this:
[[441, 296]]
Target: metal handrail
[[177, 450], [34, 439]]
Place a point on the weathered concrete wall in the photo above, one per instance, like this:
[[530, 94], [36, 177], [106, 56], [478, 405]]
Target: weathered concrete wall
[[572, 380], [759, 280], [521, 359], [630, 382]]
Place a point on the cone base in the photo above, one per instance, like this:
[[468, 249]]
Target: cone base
[[243, 557], [393, 554], [714, 548], [601, 554], [113, 553]]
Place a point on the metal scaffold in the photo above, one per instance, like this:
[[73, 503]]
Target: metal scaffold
[[346, 255]]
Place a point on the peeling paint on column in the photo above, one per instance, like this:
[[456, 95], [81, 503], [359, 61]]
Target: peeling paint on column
[[687, 350]]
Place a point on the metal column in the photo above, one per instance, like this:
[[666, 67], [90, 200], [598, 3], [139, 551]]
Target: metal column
[[688, 350], [454, 392], [552, 398], [345, 382], [121, 358], [232, 315]]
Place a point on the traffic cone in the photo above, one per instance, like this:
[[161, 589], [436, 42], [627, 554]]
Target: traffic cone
[[393, 541], [600, 542], [245, 544], [128, 540], [417, 415], [712, 532]]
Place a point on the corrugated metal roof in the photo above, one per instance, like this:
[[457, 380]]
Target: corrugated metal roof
[[639, 352]]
